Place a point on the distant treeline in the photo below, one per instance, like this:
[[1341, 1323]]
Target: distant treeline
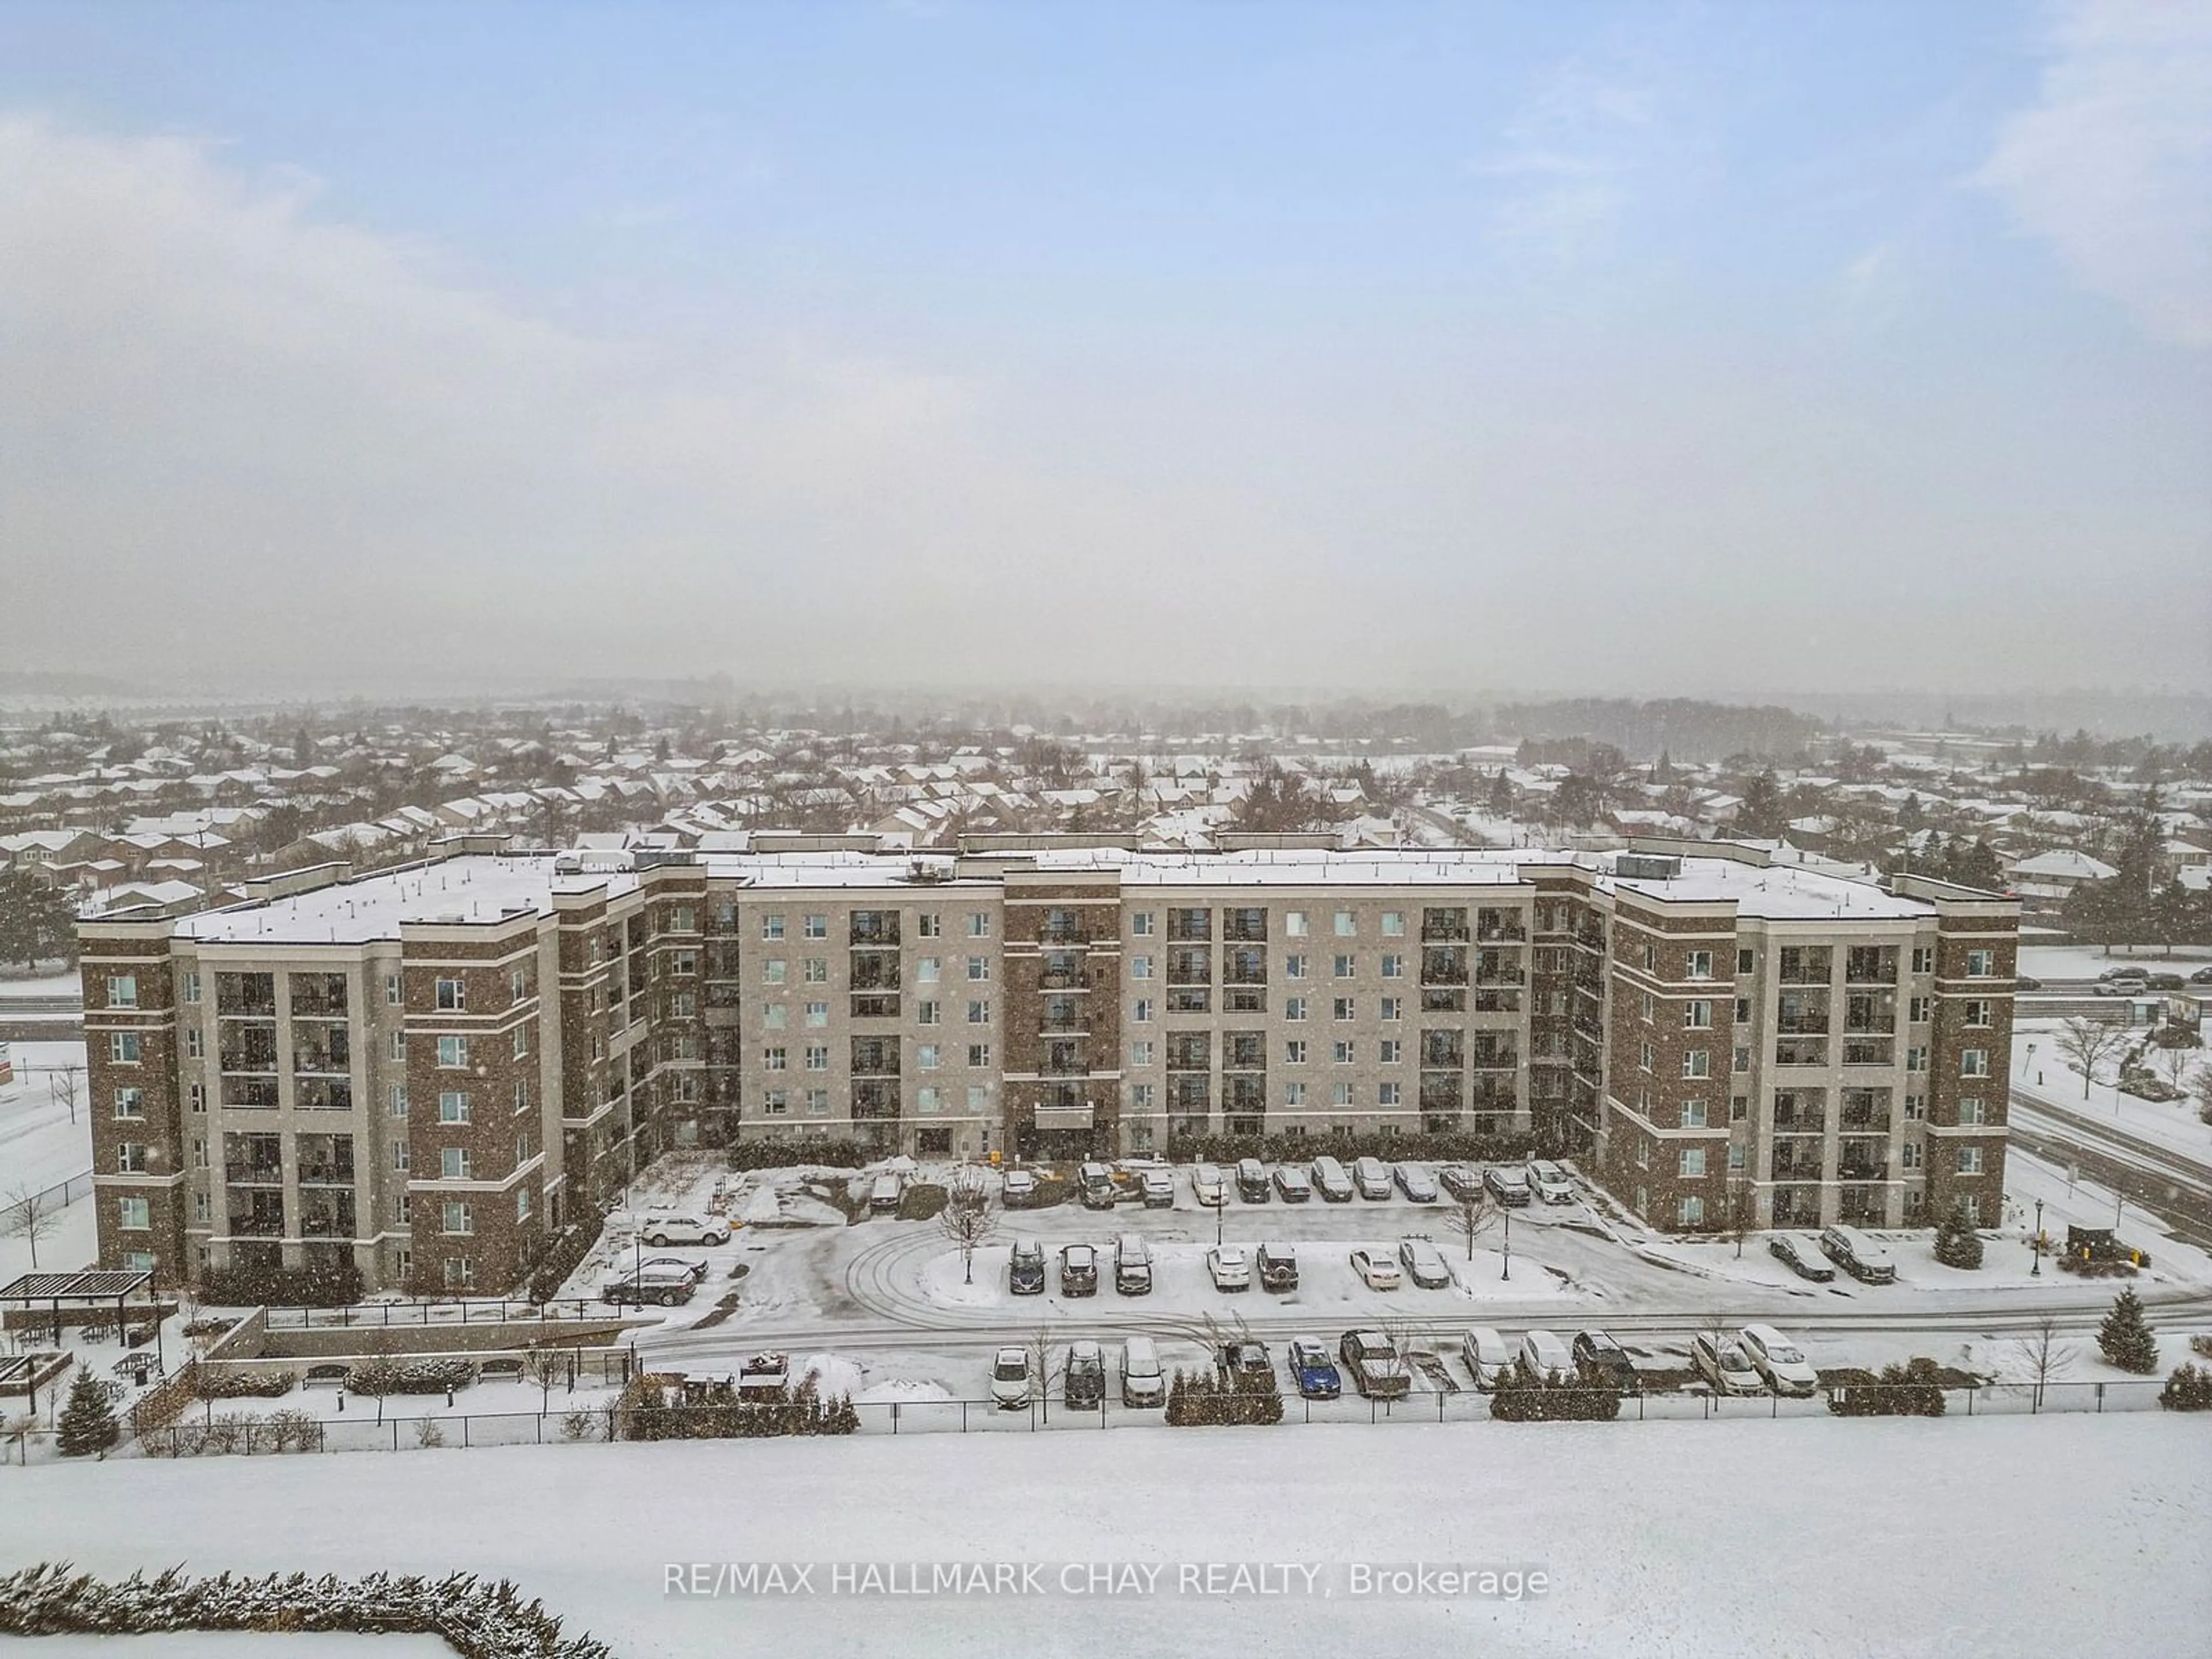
[[1677, 726]]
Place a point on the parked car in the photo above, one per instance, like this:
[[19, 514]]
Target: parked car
[[2202, 976], [1133, 1266], [2022, 982], [1244, 1358], [1207, 1187], [1550, 1182], [1419, 1186], [1314, 1371], [1017, 1190], [1100, 1190], [1375, 1268], [1858, 1255], [668, 1287], [1423, 1263], [1159, 1189], [885, 1193], [1371, 1177], [1373, 1364], [1332, 1181], [1143, 1382], [1079, 1270], [1278, 1267], [1251, 1181], [1596, 1350], [1461, 1180], [2166, 981], [1487, 1354], [765, 1375], [1292, 1185], [1508, 1184], [1010, 1378], [662, 1230], [1083, 1380], [1545, 1354], [696, 1269], [2127, 985], [1723, 1364], [1779, 1361], [1025, 1269], [1798, 1254], [1231, 1268]]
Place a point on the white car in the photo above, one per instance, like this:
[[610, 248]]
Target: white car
[[1419, 1186], [1371, 1176], [661, 1230], [1423, 1263], [1779, 1361], [1159, 1189], [1550, 1182], [1017, 1189], [1725, 1366], [1488, 1356], [1231, 1266], [1207, 1187], [1375, 1268], [1509, 1185], [1010, 1378], [1545, 1354]]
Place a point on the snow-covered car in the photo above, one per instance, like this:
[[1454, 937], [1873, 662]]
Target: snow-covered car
[[1725, 1366], [1508, 1184], [1142, 1381], [1278, 1267], [1370, 1177], [1245, 1358], [1801, 1255], [660, 1230], [1079, 1270], [763, 1376], [1374, 1364], [1419, 1186], [885, 1193], [1542, 1352], [1331, 1180], [1377, 1268], [1779, 1361], [1207, 1187], [1550, 1182], [1488, 1356], [1158, 1186], [1292, 1185], [1463, 1180], [1231, 1268], [1010, 1378], [1596, 1350], [1097, 1183], [2128, 985], [1423, 1263], [1017, 1190], [1025, 1269], [1083, 1382], [1857, 1255], [1251, 1186], [696, 1269], [669, 1287], [1314, 1371]]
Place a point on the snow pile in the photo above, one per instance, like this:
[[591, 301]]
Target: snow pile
[[762, 1209], [833, 1375]]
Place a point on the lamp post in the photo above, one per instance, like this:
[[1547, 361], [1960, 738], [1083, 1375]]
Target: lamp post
[[1507, 1271], [2036, 1272]]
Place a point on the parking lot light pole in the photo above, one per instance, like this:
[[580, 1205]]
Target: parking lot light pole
[[1508, 1271], [2036, 1272]]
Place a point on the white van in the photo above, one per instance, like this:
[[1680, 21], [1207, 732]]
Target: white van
[[1546, 1353], [1133, 1266], [1142, 1384]]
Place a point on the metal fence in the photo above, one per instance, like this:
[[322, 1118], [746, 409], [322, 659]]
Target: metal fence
[[60, 1196], [462, 1312]]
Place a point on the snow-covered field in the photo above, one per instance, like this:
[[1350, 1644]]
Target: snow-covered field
[[39, 1146], [2064, 1536], [2045, 1076], [2050, 963]]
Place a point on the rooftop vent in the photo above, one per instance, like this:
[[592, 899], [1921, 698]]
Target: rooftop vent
[[1646, 866]]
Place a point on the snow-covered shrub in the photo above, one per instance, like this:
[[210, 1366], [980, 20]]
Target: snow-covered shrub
[[2126, 1338], [293, 1430], [655, 1408], [1913, 1389], [1957, 1244], [231, 1431], [380, 1376], [242, 1385], [1203, 1399], [2201, 1346], [2189, 1390], [580, 1425], [803, 1151], [88, 1421], [1521, 1396], [428, 1432]]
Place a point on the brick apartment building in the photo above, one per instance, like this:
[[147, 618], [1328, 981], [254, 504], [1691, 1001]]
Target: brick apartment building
[[424, 1069]]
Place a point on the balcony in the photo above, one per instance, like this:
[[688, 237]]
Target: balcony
[[1245, 968], [1064, 1026], [874, 927], [875, 970], [1496, 1059], [1438, 1000], [1065, 1117], [1865, 1123], [1444, 967], [1802, 1024], [1444, 928], [249, 1057], [253, 1175], [1505, 930], [1795, 1169], [1444, 1093], [1063, 979], [252, 1225], [1500, 975], [338, 1174], [1871, 1173], [1801, 1051], [1443, 1049], [1491, 1000], [1870, 1051], [1801, 1123], [1245, 927], [1190, 973], [875, 1005]]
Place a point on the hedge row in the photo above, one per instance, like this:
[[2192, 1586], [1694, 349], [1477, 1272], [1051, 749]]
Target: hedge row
[[645, 1413], [1448, 1148], [340, 1286], [1521, 1396], [1202, 1399]]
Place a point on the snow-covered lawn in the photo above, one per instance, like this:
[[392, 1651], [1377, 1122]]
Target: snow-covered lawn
[[2074, 1534], [40, 1145], [2057, 962], [2045, 1077]]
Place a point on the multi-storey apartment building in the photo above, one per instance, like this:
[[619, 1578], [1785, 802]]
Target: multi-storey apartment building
[[423, 1070]]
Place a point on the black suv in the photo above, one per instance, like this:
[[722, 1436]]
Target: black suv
[[1595, 1350], [1083, 1382], [1278, 1267], [1079, 1270], [1025, 1271]]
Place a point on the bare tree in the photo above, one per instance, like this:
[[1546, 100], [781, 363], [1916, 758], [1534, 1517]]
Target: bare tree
[[545, 1366], [2175, 1063], [2088, 1043], [1471, 1215], [2200, 1084], [1742, 1217], [61, 1089], [2043, 1356], [1040, 1368], [968, 1218], [32, 1216]]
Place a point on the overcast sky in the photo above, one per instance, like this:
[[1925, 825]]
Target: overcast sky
[[1637, 348]]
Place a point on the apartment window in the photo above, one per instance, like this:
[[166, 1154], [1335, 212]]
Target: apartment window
[[202, 1210], [518, 984], [1738, 1108], [395, 1104], [130, 1104], [1339, 1094], [773, 1017], [927, 1099], [452, 1051], [979, 1010], [816, 927], [1701, 964], [775, 1058], [522, 1203], [928, 1012], [1693, 1115], [1340, 1053], [773, 970], [1736, 1159], [1690, 1164], [1690, 1212], [1294, 1051], [453, 1164], [1697, 1014], [1697, 1062], [1918, 1009], [1970, 1110], [925, 1056], [191, 988], [979, 1056], [1140, 1053], [1140, 1097], [1916, 1058], [1980, 964], [1394, 923], [817, 1103], [1743, 1009], [1908, 1156], [1294, 924], [978, 1098], [460, 1221], [978, 923], [1389, 1051], [1923, 958], [1140, 967], [1140, 924], [1346, 924], [815, 970], [1294, 1007], [399, 1047], [123, 991], [1970, 1160], [453, 1107], [772, 926], [452, 995], [1393, 1008], [776, 1103], [928, 925], [1388, 1094], [1394, 965], [1743, 1061], [195, 1043], [1341, 1008], [1973, 1062], [1916, 1107], [122, 1048], [979, 970], [130, 1158], [1294, 1094], [1980, 1011], [134, 1215], [521, 1036], [1647, 1006], [1743, 962], [195, 1096], [522, 1094], [1650, 958], [1294, 967], [460, 1271], [924, 971], [1647, 1057], [1344, 966], [1140, 1010]]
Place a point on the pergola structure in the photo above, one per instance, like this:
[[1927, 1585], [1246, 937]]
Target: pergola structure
[[92, 1288]]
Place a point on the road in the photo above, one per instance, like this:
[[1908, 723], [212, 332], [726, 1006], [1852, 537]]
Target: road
[[2163, 1180]]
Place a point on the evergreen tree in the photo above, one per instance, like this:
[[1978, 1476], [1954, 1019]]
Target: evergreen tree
[[1763, 813], [1957, 1244], [88, 1424], [2126, 1338]]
